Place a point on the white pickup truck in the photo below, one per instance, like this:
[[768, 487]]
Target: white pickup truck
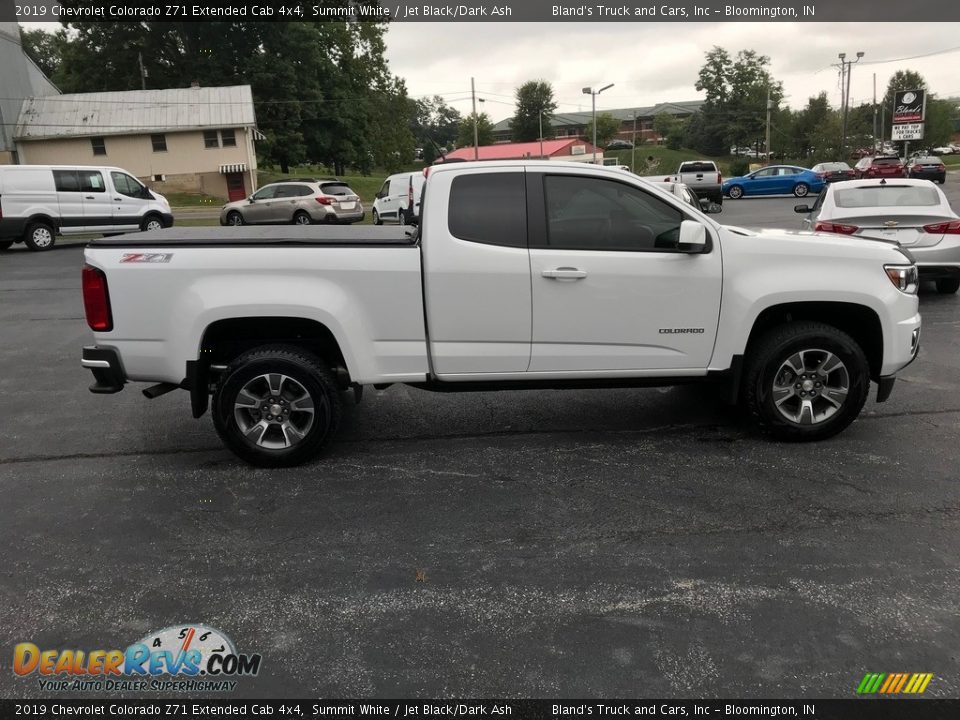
[[521, 275]]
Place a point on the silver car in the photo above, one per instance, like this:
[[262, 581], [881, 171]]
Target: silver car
[[301, 202], [913, 213]]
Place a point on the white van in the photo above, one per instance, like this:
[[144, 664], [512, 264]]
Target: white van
[[399, 199], [39, 202]]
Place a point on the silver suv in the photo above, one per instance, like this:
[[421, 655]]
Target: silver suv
[[301, 202]]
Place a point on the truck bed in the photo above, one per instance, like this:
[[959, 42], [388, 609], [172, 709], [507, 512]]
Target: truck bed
[[252, 235]]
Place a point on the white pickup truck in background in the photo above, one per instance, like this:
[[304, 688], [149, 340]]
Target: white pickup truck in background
[[521, 275], [701, 176]]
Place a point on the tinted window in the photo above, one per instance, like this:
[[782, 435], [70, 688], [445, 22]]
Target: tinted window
[[886, 161], [285, 191], [91, 181], [266, 193], [489, 208], [888, 196], [126, 185], [336, 189], [66, 180], [766, 172], [585, 213], [698, 167]]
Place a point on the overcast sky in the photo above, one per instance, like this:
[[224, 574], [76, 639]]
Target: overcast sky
[[655, 62]]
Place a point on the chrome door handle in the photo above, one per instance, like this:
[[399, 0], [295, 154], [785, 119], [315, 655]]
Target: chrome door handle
[[564, 273]]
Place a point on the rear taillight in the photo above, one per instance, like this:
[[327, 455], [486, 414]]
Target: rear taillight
[[835, 228], [96, 299], [719, 179], [410, 195], [940, 168], [944, 228], [324, 200]]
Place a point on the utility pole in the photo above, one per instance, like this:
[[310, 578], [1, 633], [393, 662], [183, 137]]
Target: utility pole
[[143, 72], [844, 63], [767, 139], [476, 141], [633, 150], [875, 148], [593, 96]]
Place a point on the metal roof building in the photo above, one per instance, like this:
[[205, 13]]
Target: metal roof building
[[19, 79], [135, 112]]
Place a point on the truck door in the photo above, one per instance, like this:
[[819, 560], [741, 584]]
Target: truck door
[[129, 205], [97, 202], [611, 290], [476, 270]]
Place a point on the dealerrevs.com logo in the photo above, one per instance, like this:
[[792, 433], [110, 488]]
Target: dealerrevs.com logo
[[179, 658]]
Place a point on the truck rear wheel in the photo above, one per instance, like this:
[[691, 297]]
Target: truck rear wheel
[[276, 406], [806, 381]]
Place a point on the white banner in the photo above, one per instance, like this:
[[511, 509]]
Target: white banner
[[907, 131]]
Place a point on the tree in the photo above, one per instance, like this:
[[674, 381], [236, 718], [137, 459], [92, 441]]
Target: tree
[[435, 125], [607, 128], [533, 98], [664, 123], [484, 131], [45, 49], [737, 92]]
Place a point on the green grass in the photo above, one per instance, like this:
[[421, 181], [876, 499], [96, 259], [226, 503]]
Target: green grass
[[951, 160], [184, 199]]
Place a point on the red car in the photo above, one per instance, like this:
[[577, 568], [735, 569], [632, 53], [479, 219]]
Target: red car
[[880, 166]]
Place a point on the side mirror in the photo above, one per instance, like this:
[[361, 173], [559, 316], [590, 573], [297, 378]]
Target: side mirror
[[803, 209], [710, 207], [250, 199], [693, 237]]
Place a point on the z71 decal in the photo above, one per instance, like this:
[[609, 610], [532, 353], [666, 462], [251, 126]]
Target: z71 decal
[[146, 257]]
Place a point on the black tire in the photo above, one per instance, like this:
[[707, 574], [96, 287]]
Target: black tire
[[402, 218], [735, 192], [235, 218], [151, 222], [948, 286], [376, 218], [39, 236], [307, 373], [5, 245], [769, 355], [801, 190], [302, 218]]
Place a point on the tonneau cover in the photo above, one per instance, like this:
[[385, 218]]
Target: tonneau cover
[[263, 235]]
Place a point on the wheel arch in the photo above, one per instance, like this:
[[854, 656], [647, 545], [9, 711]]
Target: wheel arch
[[44, 218], [858, 321], [226, 339]]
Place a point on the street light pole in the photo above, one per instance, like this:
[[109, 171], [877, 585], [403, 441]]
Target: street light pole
[[593, 96], [846, 68], [541, 134], [476, 142]]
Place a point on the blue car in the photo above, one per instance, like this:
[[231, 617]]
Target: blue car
[[775, 180]]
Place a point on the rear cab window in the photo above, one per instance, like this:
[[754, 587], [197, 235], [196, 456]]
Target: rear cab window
[[887, 196], [699, 166], [489, 208], [339, 189]]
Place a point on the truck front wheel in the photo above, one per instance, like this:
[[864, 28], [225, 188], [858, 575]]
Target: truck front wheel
[[276, 406], [806, 381]]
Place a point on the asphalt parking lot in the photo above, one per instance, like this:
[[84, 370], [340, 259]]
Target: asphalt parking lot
[[616, 543]]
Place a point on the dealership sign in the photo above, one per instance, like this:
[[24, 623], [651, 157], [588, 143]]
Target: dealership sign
[[909, 106], [907, 131]]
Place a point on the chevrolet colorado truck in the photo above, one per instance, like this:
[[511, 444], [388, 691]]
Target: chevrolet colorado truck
[[701, 176], [520, 275]]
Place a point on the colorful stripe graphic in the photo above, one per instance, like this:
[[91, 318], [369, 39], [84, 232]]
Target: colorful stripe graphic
[[894, 683]]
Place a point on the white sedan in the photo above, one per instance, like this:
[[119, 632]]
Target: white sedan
[[913, 213]]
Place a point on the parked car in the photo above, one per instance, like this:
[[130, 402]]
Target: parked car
[[834, 171], [500, 288], [619, 145], [775, 180], [302, 202], [913, 213], [944, 150], [39, 202], [398, 200], [927, 168], [880, 166]]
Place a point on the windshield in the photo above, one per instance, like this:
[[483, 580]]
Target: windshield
[[887, 196]]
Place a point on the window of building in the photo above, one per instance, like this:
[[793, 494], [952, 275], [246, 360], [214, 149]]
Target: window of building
[[159, 143], [587, 213], [210, 139], [99, 146], [490, 208], [228, 138]]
